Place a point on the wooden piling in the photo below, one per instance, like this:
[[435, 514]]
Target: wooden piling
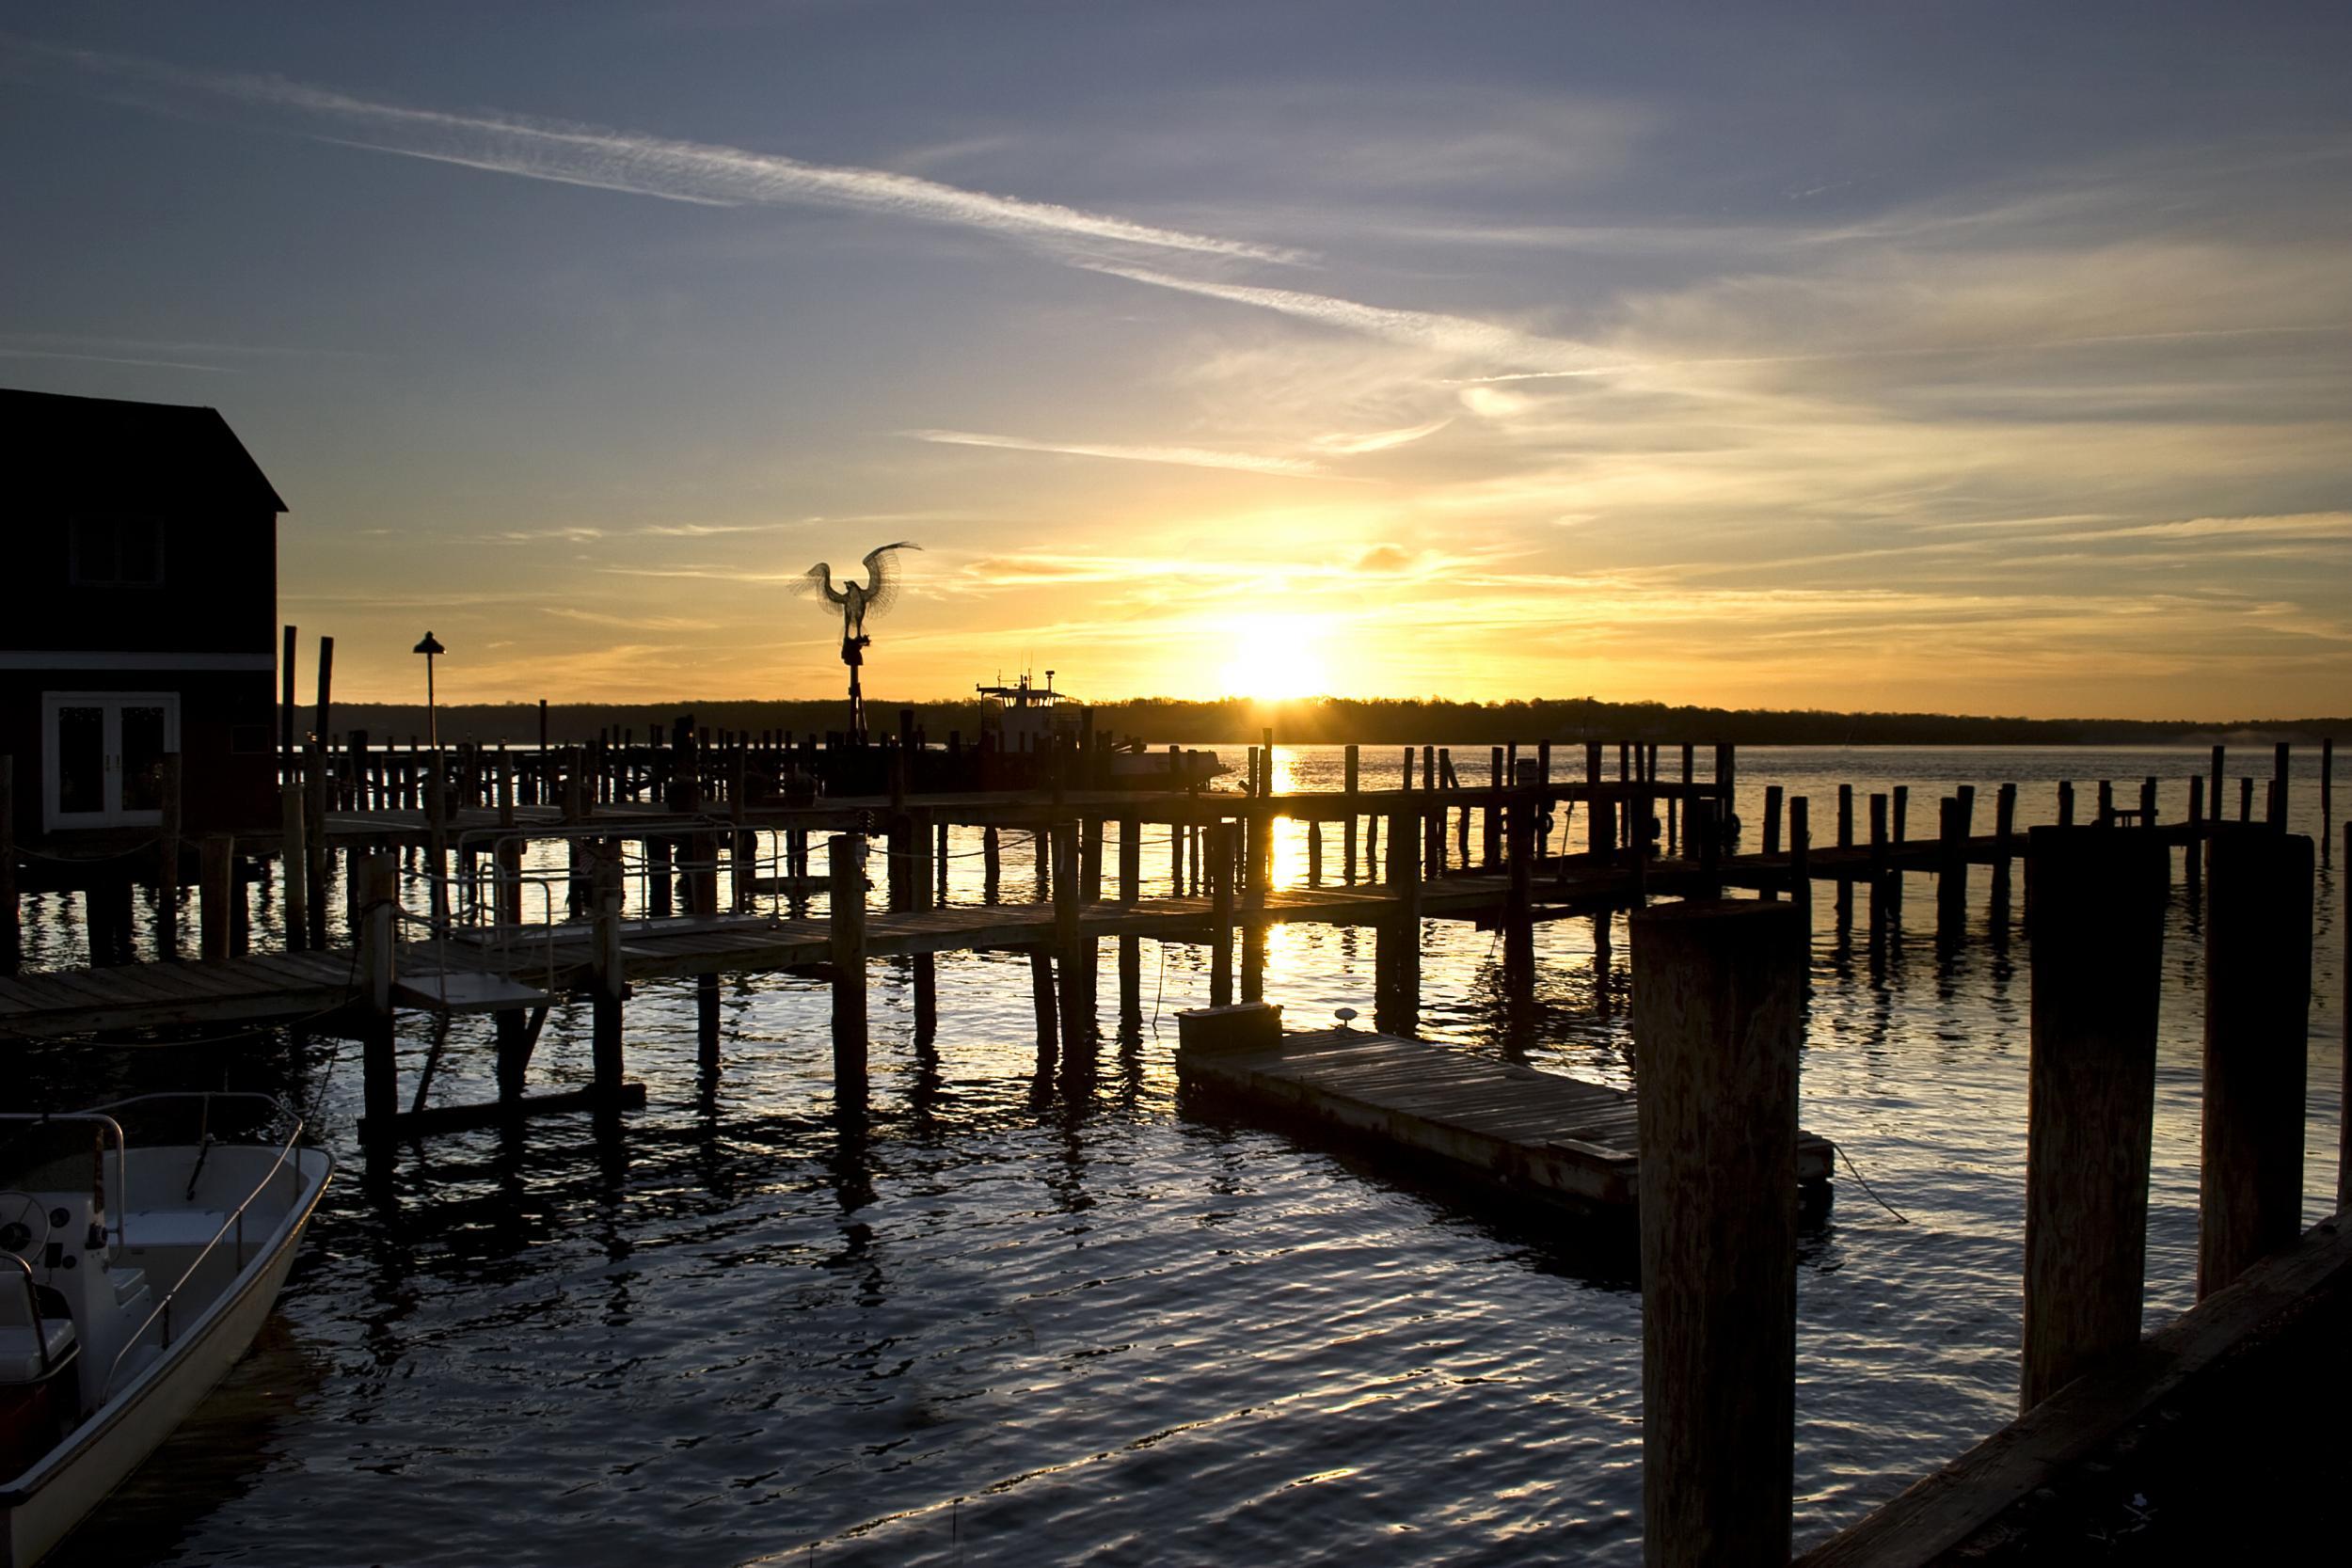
[[706, 1023], [1717, 998], [1130, 891], [1800, 858], [1844, 841], [2258, 987], [1878, 871], [1042, 1003], [1222, 854], [1951, 872], [2281, 760], [1773, 798], [609, 976], [1396, 943], [2193, 852], [845, 860], [218, 850], [11, 928], [1518, 911], [377, 877], [2097, 958], [2004, 846], [2326, 800]]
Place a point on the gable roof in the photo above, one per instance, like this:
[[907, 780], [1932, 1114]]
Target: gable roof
[[105, 454]]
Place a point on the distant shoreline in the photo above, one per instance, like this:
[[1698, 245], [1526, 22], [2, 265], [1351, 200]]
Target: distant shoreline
[[1336, 721]]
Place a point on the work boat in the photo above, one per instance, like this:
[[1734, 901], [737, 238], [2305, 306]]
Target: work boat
[[132, 1275], [1034, 720]]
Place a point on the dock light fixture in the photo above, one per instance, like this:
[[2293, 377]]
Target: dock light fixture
[[430, 646]]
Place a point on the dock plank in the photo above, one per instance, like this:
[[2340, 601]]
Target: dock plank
[[1519, 1129]]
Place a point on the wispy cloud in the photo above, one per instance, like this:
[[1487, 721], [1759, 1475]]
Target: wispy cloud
[[632, 623], [1458, 337], [662, 167], [1380, 440], [1191, 457]]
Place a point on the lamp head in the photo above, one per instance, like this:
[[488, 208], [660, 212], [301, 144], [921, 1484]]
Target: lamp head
[[429, 646]]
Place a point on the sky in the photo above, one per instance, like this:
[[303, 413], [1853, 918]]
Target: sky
[[1968, 358]]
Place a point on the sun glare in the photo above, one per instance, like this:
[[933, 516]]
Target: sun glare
[[1274, 660]]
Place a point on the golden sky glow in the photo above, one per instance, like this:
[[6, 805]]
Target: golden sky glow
[[1751, 377]]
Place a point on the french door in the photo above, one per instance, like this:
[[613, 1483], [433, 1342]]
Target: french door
[[103, 764]]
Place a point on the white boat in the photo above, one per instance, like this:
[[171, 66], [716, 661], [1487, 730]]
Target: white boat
[[1029, 718], [132, 1275]]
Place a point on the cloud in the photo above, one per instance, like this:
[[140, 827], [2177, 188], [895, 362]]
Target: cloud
[[1381, 441], [643, 165], [1456, 337], [1192, 457], [632, 623]]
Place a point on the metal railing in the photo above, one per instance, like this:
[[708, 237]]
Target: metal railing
[[235, 1221]]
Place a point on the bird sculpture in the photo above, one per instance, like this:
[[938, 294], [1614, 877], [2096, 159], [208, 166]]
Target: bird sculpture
[[857, 601]]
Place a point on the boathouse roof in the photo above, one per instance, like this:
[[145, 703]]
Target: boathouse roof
[[109, 453]]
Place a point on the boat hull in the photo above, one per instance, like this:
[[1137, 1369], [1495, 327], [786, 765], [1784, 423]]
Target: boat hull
[[47, 1502]]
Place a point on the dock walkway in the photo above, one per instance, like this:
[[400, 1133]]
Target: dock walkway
[[1527, 1133]]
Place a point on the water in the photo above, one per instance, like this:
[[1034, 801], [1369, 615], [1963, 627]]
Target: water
[[1054, 1320]]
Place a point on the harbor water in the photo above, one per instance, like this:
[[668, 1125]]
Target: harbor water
[[1055, 1318]]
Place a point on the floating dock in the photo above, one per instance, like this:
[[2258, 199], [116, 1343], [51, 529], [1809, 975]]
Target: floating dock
[[1525, 1132]]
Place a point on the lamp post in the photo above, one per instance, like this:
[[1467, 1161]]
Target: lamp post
[[432, 719]]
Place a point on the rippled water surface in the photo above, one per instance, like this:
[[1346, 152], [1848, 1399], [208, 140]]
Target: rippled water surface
[[1054, 1318]]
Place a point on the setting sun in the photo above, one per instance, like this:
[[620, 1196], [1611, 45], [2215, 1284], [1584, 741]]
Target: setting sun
[[1278, 658]]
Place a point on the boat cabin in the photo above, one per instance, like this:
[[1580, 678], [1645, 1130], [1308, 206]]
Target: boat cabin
[[143, 548], [1025, 717]]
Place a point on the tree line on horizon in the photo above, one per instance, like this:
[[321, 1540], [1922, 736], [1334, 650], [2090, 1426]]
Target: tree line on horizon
[[1328, 721]]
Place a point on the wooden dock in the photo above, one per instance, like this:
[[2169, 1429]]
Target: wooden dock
[[1515, 1130]]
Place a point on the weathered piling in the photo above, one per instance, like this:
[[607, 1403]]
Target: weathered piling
[[1075, 973], [845, 860], [294, 854], [1951, 873], [2258, 987], [2004, 848], [1772, 827], [2096, 956], [377, 877], [1799, 857], [1717, 1000], [1878, 873], [1844, 841], [1347, 844], [1130, 948], [610, 981], [216, 853], [2193, 850], [1222, 854], [10, 929], [1518, 912], [1396, 950], [2327, 801]]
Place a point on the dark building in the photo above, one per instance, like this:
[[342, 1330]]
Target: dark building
[[142, 572]]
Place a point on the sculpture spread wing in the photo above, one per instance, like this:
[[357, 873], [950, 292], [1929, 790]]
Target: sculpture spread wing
[[882, 574], [817, 584]]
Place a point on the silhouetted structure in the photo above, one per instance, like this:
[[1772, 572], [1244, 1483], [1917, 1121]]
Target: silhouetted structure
[[144, 565]]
